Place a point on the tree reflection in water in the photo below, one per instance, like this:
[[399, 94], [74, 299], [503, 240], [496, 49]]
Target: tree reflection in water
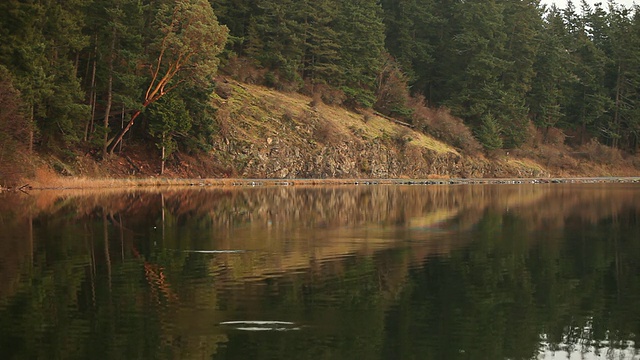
[[472, 272]]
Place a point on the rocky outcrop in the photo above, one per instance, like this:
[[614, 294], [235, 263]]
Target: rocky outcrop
[[279, 157], [277, 135]]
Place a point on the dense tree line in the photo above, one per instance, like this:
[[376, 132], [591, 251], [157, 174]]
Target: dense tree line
[[84, 72], [497, 64], [87, 69]]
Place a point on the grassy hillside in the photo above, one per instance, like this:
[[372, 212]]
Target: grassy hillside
[[263, 133]]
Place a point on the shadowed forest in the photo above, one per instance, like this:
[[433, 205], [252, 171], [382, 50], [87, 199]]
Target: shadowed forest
[[79, 77]]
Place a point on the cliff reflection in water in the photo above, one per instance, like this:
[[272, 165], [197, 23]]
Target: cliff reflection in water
[[480, 272]]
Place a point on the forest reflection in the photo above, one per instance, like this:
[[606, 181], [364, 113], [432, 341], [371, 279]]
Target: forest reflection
[[435, 272]]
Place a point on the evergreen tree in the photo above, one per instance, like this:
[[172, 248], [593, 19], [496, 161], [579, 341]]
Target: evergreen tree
[[588, 103], [475, 89], [361, 35], [490, 133], [276, 39], [169, 118], [39, 44], [546, 99], [624, 79], [320, 40], [235, 15], [183, 48], [410, 25], [112, 80], [523, 24]]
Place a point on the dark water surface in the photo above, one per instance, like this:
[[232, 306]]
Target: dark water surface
[[351, 272]]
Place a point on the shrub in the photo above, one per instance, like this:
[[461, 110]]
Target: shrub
[[326, 132], [445, 127], [392, 95], [223, 119], [288, 116], [553, 136], [367, 115], [358, 97], [316, 100], [244, 70], [327, 94], [223, 89], [597, 152], [402, 137], [270, 79]]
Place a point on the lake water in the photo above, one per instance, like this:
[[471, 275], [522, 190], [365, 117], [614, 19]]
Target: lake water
[[547, 271]]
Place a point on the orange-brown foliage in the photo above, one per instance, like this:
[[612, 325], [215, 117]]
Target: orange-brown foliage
[[442, 125]]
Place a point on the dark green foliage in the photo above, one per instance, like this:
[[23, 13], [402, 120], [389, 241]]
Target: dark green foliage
[[392, 93], [587, 102], [318, 42], [39, 41], [81, 67], [410, 35], [168, 119], [623, 79], [489, 133], [546, 98], [361, 35], [14, 131]]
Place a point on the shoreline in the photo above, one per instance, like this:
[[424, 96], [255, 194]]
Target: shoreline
[[83, 183]]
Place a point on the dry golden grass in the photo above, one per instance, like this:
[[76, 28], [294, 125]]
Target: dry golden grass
[[255, 110]]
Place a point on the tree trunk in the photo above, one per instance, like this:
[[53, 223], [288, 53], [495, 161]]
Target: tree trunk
[[118, 138], [31, 126], [92, 92], [109, 95], [616, 114]]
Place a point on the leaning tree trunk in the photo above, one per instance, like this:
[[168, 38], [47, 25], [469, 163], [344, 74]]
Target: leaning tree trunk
[[109, 95], [112, 145]]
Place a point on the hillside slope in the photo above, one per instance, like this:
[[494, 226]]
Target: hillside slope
[[269, 134], [264, 133]]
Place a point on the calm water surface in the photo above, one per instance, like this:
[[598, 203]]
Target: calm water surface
[[369, 272]]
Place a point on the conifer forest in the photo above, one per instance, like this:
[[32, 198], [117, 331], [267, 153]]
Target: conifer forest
[[83, 73]]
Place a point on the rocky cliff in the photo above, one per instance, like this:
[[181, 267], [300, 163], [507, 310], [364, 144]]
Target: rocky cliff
[[264, 134]]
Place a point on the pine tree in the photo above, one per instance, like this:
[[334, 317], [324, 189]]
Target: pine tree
[[39, 44], [588, 103], [112, 81], [475, 90], [361, 35], [276, 38], [546, 98], [183, 48], [169, 118], [410, 25], [523, 25], [235, 15], [490, 133], [624, 79], [320, 40]]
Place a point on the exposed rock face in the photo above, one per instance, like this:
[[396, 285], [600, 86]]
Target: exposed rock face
[[281, 158], [277, 135]]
